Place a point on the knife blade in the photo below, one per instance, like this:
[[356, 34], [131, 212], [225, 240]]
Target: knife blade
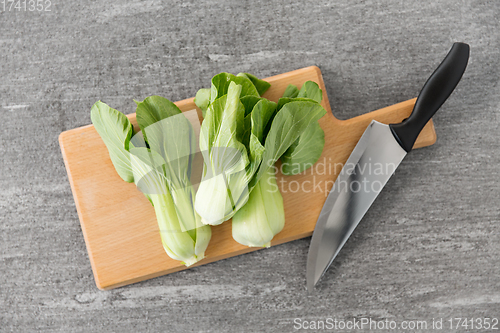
[[376, 156]]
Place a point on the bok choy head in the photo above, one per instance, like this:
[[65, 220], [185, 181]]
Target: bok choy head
[[221, 143], [159, 160], [231, 150], [294, 136], [241, 138]]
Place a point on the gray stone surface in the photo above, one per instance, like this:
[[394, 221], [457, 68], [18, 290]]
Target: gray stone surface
[[428, 248]]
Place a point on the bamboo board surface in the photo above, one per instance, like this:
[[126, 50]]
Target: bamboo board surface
[[119, 223]]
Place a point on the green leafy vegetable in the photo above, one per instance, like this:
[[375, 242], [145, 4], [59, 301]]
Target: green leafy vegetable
[[307, 149], [160, 158], [251, 86], [225, 157], [311, 90], [230, 146], [170, 134], [294, 128], [116, 130], [221, 82], [263, 216], [288, 124], [261, 85], [291, 91], [152, 110], [186, 246], [202, 100], [239, 174], [304, 152]]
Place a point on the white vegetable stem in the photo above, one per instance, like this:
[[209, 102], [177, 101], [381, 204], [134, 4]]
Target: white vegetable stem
[[186, 242], [263, 216]]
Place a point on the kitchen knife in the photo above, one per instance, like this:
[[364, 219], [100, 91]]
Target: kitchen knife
[[372, 162]]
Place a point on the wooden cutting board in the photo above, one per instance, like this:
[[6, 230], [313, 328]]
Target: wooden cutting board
[[119, 223]]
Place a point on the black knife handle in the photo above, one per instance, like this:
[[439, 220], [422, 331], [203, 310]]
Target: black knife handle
[[435, 91]]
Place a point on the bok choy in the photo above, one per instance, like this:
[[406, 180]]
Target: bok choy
[[159, 161], [263, 216], [307, 149], [242, 137], [231, 150]]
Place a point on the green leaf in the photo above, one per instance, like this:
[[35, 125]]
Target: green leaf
[[229, 132], [220, 86], [261, 85], [115, 130], [249, 102], [291, 91], [261, 116], [288, 124], [251, 87], [202, 100], [153, 109], [305, 151], [311, 90], [173, 138], [211, 123], [283, 100]]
